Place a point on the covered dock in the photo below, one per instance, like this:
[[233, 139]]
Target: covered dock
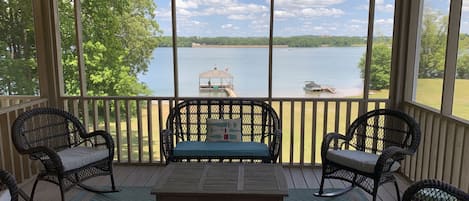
[[214, 80]]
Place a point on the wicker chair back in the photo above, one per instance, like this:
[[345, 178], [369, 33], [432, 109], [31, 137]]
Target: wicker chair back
[[188, 119], [46, 127], [376, 130], [434, 190]]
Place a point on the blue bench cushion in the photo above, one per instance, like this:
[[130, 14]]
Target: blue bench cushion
[[220, 149]]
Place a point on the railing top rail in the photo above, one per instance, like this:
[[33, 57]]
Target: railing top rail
[[14, 97], [23, 105], [235, 98]]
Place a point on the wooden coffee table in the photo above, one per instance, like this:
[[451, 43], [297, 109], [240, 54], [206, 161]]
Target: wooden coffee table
[[221, 182]]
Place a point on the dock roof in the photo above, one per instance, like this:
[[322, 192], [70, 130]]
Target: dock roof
[[215, 73]]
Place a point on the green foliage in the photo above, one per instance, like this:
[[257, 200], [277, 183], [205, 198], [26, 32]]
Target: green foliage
[[380, 66], [118, 41], [18, 69], [432, 53], [433, 45], [462, 66]]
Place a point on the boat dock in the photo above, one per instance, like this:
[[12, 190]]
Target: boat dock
[[311, 86], [227, 88], [217, 80]]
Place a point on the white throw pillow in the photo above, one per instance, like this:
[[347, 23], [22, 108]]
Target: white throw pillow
[[223, 130]]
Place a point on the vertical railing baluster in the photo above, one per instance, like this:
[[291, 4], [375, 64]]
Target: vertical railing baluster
[[314, 148], [139, 131], [118, 129], [150, 129], [107, 116], [129, 130], [280, 158], [292, 131], [302, 139], [160, 126]]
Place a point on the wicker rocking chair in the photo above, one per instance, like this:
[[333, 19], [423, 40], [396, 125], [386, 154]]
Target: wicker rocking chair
[[69, 155], [370, 151], [434, 190]]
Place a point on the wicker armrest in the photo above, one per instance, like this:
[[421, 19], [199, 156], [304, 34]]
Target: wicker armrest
[[167, 143], [326, 143], [48, 157], [10, 183], [108, 141], [275, 143], [389, 156]]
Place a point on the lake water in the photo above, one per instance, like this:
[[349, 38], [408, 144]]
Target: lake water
[[336, 67]]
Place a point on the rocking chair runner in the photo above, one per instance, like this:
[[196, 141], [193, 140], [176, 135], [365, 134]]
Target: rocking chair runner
[[370, 151], [68, 153]]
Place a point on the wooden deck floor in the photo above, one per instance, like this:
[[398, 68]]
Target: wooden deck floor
[[306, 177]]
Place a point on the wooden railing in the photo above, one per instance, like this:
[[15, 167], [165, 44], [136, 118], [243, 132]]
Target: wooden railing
[[443, 153], [10, 160], [7, 101], [135, 123]]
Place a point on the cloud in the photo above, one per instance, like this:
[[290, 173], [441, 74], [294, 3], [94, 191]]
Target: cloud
[[226, 26], [308, 13], [186, 4], [306, 3], [358, 21], [235, 9], [283, 14], [316, 12], [388, 21], [241, 17], [229, 26], [385, 7]]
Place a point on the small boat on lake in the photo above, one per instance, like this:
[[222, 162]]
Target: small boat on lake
[[311, 86]]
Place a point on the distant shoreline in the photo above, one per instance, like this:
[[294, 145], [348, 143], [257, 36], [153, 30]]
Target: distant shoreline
[[197, 45]]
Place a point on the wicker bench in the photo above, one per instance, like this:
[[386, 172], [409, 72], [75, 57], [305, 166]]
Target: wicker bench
[[185, 136]]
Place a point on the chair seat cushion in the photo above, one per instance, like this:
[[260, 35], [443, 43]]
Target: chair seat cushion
[[78, 157], [5, 195], [358, 160], [220, 149]]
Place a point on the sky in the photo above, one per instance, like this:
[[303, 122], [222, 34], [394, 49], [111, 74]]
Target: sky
[[243, 18]]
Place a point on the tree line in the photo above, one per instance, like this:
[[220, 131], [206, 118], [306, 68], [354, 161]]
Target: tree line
[[293, 41]]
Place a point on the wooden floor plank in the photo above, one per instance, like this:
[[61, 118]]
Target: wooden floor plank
[[288, 177], [310, 178], [296, 177], [156, 174], [140, 176], [318, 173]]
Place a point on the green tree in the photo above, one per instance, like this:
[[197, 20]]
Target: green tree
[[380, 66], [118, 41], [462, 69], [18, 71], [433, 45], [432, 53]]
